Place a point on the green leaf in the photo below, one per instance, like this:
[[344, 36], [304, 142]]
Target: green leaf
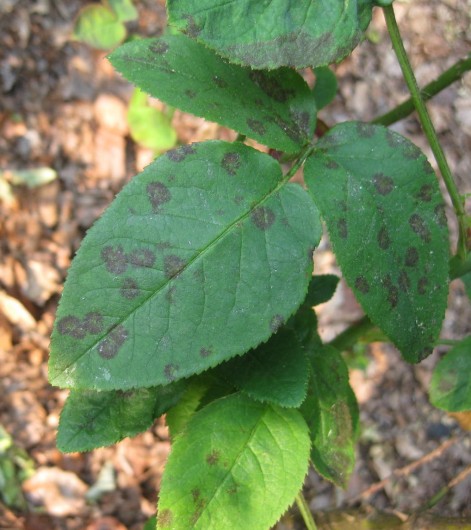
[[466, 279], [275, 33], [238, 464], [275, 108], [149, 126], [124, 10], [196, 261], [321, 289], [325, 88], [151, 523], [276, 371], [385, 215], [331, 413], [99, 27], [450, 388], [92, 419]]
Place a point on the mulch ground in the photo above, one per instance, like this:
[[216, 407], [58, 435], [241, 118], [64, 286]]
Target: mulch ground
[[63, 107]]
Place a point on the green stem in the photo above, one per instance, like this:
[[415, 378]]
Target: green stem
[[427, 126], [448, 77], [460, 267], [305, 512]]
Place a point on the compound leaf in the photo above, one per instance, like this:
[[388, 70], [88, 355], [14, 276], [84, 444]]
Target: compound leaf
[[238, 464], [275, 33], [331, 413], [276, 108], [386, 218], [99, 27], [199, 258], [93, 419], [450, 388], [276, 371]]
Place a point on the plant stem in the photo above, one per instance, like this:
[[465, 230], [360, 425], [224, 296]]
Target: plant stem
[[448, 77], [349, 337], [305, 512], [427, 126]]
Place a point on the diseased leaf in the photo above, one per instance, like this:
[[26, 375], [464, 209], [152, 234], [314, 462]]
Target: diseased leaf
[[92, 419], [325, 87], [385, 215], [238, 464], [99, 27], [331, 413], [450, 388], [275, 33], [321, 289], [198, 259], [276, 108], [275, 372]]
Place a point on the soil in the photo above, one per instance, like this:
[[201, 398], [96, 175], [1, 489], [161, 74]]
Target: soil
[[63, 107]]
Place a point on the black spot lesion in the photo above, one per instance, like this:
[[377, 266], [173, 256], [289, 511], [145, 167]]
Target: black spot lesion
[[263, 217], [331, 164], [256, 126], [384, 241], [142, 257], [213, 458], [129, 289], [190, 93], [422, 285], [404, 281], [420, 228], [271, 86], [392, 290], [362, 285], [206, 352], [171, 372], [108, 348], [78, 328], [383, 183], [440, 215], [425, 193], [115, 259], [179, 154], [165, 518], [231, 163], [365, 130], [412, 257], [158, 194], [342, 228], [93, 323], [173, 265], [160, 47]]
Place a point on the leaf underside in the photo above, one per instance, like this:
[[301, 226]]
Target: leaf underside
[[450, 388], [276, 33], [386, 218], [201, 257], [238, 464], [276, 108]]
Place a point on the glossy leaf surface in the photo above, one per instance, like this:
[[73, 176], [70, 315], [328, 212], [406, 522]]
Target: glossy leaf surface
[[238, 464], [276, 33], [331, 413], [275, 372], [385, 215], [198, 259], [92, 419], [450, 388], [276, 108]]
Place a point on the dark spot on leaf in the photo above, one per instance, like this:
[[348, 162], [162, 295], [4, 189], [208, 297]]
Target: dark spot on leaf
[[71, 326], [440, 215], [428, 169], [411, 152], [232, 490], [220, 82], [393, 291], [115, 259], [276, 322], [383, 184], [142, 257], [342, 228], [163, 245], [170, 295], [271, 86], [93, 323], [158, 194], [422, 285], [205, 352], [331, 164], [263, 217], [109, 347], [173, 265], [404, 281], [192, 29], [213, 458], [196, 494], [365, 130], [159, 47], [170, 371], [425, 193], [419, 227], [165, 518], [392, 139], [362, 285], [412, 257], [256, 126], [259, 103], [231, 163], [190, 93], [238, 199], [179, 154], [129, 289], [384, 241]]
